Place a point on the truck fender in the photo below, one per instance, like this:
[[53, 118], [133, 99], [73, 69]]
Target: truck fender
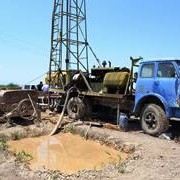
[[151, 98]]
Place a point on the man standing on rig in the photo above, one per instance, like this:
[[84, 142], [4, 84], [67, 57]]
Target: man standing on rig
[[39, 86]]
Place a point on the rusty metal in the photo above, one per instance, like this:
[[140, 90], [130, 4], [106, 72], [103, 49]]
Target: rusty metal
[[18, 103]]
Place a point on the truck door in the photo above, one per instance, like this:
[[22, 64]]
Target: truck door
[[166, 83], [145, 81]]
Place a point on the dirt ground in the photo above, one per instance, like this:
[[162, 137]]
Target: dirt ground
[[149, 157]]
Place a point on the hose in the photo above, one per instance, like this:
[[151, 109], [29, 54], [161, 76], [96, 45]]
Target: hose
[[62, 113]]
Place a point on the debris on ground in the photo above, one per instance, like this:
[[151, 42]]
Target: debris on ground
[[143, 151]]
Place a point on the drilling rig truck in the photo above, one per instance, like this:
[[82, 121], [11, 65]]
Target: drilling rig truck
[[151, 95]]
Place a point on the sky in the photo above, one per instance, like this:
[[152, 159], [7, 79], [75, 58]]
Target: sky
[[117, 30]]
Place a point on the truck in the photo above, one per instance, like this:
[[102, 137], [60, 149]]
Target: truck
[[152, 94], [157, 96]]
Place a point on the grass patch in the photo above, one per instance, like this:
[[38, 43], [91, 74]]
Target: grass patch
[[121, 168], [70, 129], [16, 135], [3, 143], [23, 157]]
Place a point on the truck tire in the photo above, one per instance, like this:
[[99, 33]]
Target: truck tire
[[154, 120], [25, 108], [75, 108]]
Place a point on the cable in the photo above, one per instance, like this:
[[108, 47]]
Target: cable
[[9, 40], [98, 61], [37, 78]]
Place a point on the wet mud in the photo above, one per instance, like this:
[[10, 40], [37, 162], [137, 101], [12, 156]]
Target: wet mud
[[67, 152]]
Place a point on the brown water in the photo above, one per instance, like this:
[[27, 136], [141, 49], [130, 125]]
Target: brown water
[[66, 152]]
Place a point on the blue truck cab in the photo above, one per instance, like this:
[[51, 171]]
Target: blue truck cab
[[157, 94]]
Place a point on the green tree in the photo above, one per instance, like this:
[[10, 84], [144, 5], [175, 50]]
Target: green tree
[[10, 86]]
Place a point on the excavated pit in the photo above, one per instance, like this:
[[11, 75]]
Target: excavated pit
[[67, 153]]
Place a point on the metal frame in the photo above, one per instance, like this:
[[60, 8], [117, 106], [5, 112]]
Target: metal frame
[[69, 46]]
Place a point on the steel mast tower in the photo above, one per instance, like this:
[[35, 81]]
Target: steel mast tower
[[69, 46]]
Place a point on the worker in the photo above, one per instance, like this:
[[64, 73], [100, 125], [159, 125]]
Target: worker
[[104, 63], [33, 87], [45, 88], [39, 86]]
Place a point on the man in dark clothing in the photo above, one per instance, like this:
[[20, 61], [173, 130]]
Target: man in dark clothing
[[39, 86], [33, 87]]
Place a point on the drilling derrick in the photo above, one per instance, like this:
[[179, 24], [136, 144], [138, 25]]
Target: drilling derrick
[[69, 46]]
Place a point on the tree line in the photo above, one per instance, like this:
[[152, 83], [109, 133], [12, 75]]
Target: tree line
[[9, 86]]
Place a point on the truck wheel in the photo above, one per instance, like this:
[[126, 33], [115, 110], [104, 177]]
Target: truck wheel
[[75, 108], [154, 120], [25, 108]]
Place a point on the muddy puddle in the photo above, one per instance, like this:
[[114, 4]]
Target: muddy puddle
[[67, 152]]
